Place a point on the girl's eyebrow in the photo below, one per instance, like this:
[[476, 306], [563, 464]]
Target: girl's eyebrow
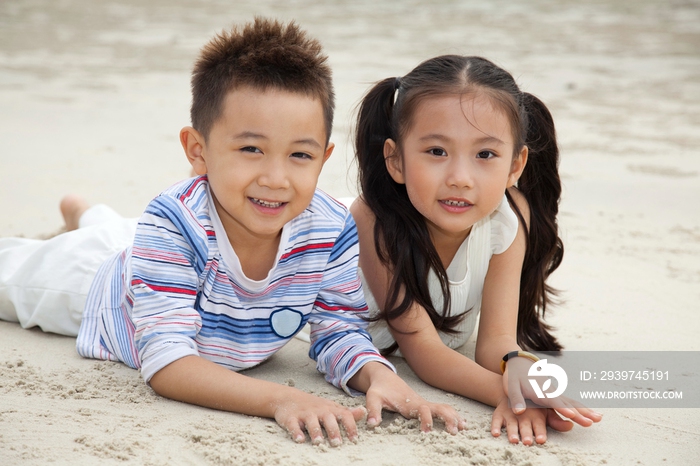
[[490, 140], [482, 140], [439, 137]]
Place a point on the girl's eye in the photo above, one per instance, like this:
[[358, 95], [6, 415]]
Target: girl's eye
[[485, 154], [302, 155], [250, 149], [437, 152]]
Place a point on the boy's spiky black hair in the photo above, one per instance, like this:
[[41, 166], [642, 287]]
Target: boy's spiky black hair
[[263, 54]]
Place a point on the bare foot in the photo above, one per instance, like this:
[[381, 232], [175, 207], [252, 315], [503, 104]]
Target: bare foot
[[72, 208]]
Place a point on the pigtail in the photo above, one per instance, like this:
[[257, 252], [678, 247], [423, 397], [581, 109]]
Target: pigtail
[[373, 128], [401, 237], [541, 186]]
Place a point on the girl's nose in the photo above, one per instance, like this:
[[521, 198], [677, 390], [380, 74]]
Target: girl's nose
[[460, 173]]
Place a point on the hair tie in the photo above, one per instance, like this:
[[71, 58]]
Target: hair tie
[[397, 85]]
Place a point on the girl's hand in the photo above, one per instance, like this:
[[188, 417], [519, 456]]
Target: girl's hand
[[388, 391], [518, 389], [530, 424], [533, 421], [305, 412]]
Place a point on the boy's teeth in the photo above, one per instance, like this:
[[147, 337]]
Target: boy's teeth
[[266, 203], [456, 203]]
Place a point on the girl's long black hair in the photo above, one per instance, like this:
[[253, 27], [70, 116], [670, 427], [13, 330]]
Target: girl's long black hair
[[401, 235]]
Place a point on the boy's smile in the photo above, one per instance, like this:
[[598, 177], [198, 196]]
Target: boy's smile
[[263, 157]]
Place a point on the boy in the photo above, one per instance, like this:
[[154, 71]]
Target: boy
[[224, 268]]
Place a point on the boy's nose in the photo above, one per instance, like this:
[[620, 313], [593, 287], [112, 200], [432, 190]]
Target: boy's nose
[[274, 176]]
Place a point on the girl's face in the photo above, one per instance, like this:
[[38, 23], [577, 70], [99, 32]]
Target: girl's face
[[456, 161]]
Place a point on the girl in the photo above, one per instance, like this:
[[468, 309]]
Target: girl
[[445, 233]]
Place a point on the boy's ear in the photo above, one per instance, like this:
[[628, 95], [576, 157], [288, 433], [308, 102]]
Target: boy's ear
[[193, 143], [393, 162], [517, 167], [329, 151]]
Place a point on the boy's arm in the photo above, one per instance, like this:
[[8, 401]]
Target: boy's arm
[[168, 257], [340, 343], [343, 349], [195, 380]]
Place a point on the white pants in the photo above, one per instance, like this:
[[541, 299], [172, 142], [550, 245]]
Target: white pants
[[45, 282]]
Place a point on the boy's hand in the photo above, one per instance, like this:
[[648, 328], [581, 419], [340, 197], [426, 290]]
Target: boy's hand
[[198, 381], [386, 390], [305, 412]]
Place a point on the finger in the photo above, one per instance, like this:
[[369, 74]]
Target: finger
[[577, 412], [589, 413], [525, 428], [561, 406], [515, 394], [374, 411], [557, 423], [497, 423], [425, 416], [293, 426], [330, 423], [517, 402], [512, 429], [347, 419], [540, 429], [358, 413], [573, 414], [313, 427], [581, 420], [453, 421]]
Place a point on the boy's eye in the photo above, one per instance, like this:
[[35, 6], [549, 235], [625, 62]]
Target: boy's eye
[[437, 152], [250, 149], [301, 155], [485, 154]]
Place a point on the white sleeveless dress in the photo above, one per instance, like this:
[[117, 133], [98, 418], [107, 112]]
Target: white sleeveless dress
[[466, 273]]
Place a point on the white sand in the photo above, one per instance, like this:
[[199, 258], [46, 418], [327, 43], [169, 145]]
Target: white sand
[[92, 98]]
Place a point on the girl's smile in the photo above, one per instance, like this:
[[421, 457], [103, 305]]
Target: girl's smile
[[456, 206]]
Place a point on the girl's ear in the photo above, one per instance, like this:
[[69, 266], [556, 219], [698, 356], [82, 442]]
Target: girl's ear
[[194, 145], [393, 161], [517, 167]]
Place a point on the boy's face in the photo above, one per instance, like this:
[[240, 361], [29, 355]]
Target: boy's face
[[263, 158]]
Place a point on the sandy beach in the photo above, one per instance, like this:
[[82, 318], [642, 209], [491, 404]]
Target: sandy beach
[[93, 95]]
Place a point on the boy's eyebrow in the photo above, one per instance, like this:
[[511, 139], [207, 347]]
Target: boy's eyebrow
[[482, 140], [252, 135], [309, 142]]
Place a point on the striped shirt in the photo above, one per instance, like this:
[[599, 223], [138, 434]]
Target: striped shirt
[[179, 291]]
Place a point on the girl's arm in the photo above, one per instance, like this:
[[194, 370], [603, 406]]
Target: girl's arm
[[500, 299], [426, 354], [498, 327], [433, 361], [437, 364]]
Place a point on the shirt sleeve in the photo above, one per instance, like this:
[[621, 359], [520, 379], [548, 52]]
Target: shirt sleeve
[[165, 266], [340, 343], [504, 227]]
